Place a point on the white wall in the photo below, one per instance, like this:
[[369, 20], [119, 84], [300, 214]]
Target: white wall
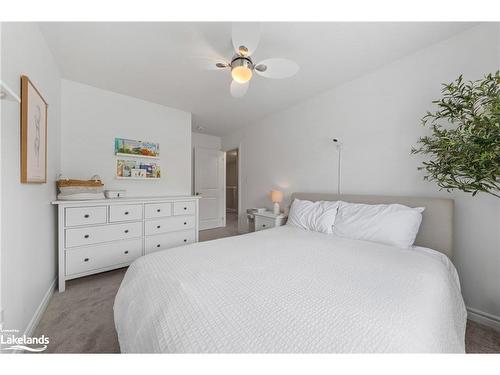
[[206, 141], [28, 218], [377, 117], [92, 118]]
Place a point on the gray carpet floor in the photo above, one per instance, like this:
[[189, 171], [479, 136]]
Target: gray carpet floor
[[231, 229], [80, 320]]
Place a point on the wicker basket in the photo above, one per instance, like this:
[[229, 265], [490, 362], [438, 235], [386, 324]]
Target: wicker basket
[[79, 183]]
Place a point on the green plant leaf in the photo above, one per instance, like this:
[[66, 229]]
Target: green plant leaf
[[465, 155]]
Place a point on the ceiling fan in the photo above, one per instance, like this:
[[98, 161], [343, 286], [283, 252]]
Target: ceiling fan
[[245, 38]]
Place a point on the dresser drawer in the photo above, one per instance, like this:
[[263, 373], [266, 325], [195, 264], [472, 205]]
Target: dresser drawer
[[85, 215], [169, 224], [264, 223], [90, 258], [184, 208], [103, 233], [125, 212], [166, 241], [153, 210]]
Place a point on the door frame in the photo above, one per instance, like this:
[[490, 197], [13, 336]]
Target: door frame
[[238, 181], [237, 146]]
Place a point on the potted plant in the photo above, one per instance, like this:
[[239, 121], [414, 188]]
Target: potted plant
[[464, 146]]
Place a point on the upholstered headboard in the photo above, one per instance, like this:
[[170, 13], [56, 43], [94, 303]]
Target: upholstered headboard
[[436, 230]]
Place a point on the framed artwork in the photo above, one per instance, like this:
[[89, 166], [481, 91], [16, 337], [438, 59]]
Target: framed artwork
[[143, 149], [33, 134]]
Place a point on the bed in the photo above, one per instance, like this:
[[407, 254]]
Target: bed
[[288, 290]]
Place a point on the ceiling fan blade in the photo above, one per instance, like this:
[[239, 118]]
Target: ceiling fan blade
[[222, 65], [209, 63], [239, 89], [277, 68], [205, 57], [247, 35]]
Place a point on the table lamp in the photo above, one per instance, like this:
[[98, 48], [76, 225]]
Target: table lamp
[[276, 198]]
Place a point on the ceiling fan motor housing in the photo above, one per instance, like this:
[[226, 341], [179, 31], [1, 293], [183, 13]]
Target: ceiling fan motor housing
[[242, 61]]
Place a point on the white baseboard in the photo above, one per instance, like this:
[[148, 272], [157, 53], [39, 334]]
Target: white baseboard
[[30, 329], [486, 319]]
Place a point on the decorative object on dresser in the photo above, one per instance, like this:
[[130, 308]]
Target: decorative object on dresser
[[111, 194], [34, 110], [276, 198], [101, 235], [70, 189], [268, 219]]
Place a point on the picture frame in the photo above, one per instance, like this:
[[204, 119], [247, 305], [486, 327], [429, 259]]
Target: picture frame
[[34, 125], [134, 148]]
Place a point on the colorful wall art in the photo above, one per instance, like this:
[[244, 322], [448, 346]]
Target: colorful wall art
[[129, 147], [137, 169]]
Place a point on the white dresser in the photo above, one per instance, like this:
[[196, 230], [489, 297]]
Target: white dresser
[[101, 235]]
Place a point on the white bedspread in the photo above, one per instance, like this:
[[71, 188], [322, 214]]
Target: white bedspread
[[289, 290]]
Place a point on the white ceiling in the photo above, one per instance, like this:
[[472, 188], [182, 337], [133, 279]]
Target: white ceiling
[[172, 63]]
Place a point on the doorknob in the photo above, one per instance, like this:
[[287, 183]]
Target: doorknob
[[196, 193]]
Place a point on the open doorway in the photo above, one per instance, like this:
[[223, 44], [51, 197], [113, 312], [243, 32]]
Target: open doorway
[[232, 172]]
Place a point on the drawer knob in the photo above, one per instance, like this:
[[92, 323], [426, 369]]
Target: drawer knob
[[125, 252], [185, 240], [86, 216], [185, 208], [185, 223], [126, 230], [263, 225], [86, 260], [158, 210], [158, 245], [126, 212], [87, 236], [158, 226]]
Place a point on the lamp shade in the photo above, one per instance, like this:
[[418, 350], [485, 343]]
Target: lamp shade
[[276, 196]]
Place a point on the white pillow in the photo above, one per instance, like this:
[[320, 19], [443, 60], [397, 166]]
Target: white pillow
[[392, 224], [315, 216]]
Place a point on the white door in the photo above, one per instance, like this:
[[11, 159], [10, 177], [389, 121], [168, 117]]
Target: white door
[[209, 182]]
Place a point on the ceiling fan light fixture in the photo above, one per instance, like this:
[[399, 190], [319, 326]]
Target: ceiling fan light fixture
[[241, 74], [241, 70]]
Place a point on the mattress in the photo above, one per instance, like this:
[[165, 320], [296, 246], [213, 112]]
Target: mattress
[[288, 290]]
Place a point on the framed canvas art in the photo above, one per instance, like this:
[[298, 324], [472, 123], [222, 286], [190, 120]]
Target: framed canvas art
[[143, 149], [33, 134]]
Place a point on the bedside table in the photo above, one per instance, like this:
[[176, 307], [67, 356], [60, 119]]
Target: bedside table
[[267, 219]]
